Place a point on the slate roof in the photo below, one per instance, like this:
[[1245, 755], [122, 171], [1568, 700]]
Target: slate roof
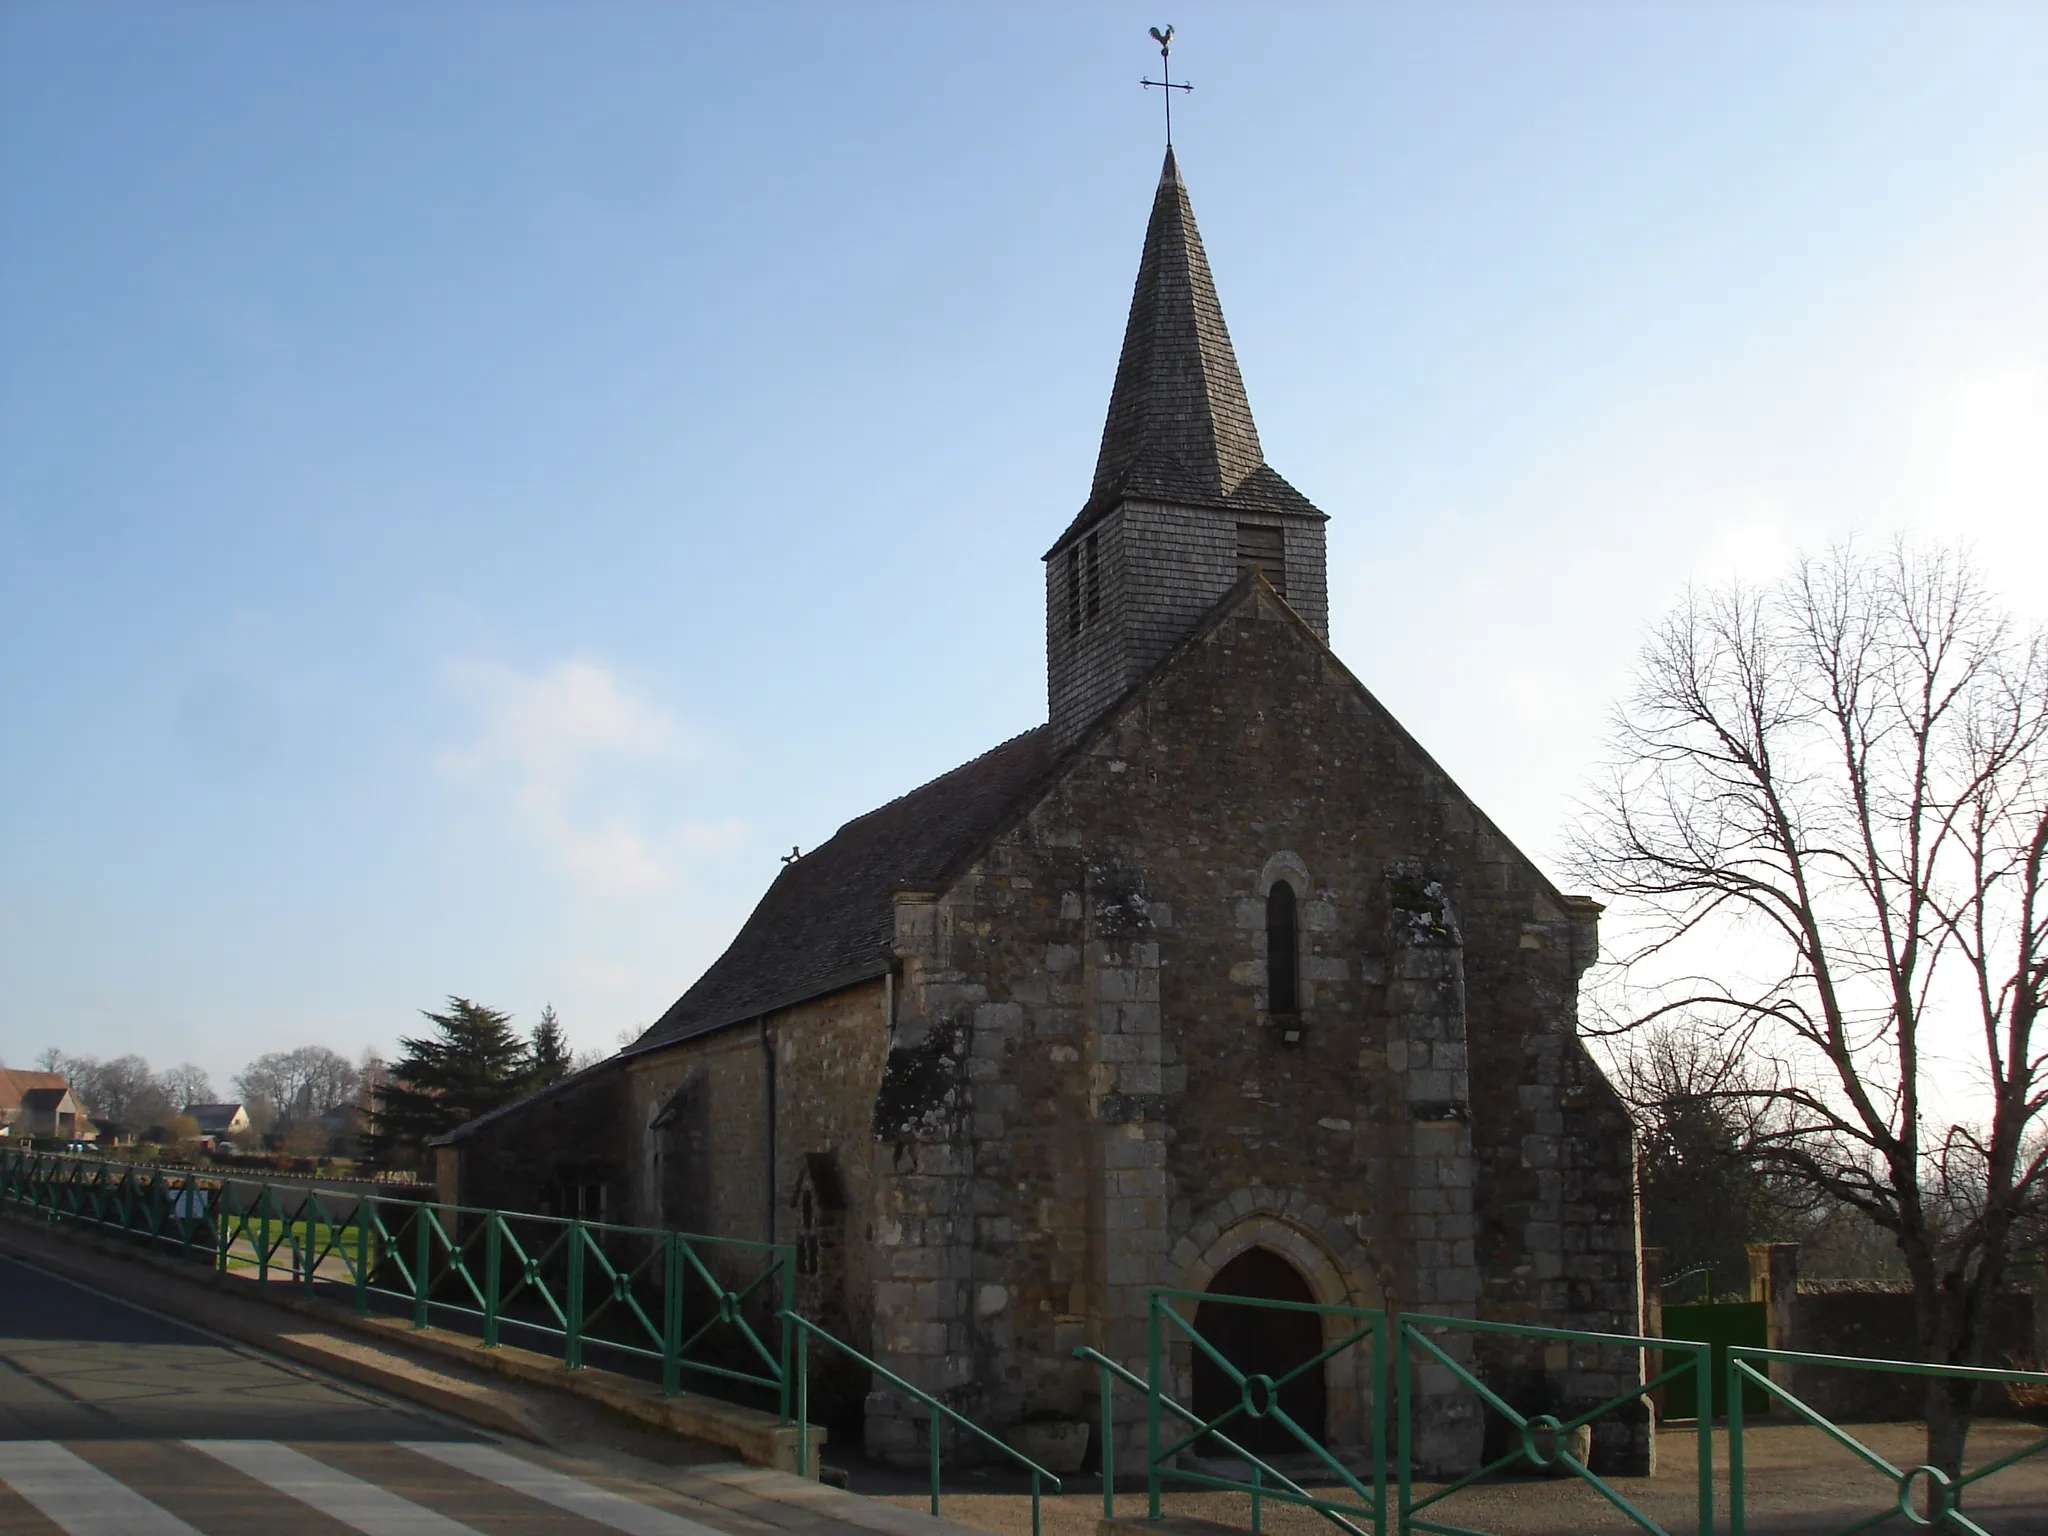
[[829, 920], [1180, 427], [214, 1118], [16, 1084]]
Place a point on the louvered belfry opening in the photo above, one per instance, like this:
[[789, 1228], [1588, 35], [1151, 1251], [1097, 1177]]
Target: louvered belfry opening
[[1264, 545]]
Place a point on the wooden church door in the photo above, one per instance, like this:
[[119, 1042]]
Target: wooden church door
[[1266, 1341]]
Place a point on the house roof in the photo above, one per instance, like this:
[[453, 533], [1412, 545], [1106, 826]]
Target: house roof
[[210, 1115], [577, 1079], [15, 1084], [1180, 428], [46, 1098], [829, 921]]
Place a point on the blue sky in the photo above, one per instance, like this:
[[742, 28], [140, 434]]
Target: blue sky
[[479, 482]]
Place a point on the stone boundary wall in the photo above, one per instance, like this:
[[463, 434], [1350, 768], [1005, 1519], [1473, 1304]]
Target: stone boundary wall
[[1867, 1319]]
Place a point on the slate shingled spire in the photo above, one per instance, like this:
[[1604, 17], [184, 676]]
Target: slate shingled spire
[[1183, 501], [1179, 426]]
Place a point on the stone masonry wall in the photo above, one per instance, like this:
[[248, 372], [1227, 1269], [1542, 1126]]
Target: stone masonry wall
[[706, 1170], [572, 1135], [1161, 568], [1108, 1106]]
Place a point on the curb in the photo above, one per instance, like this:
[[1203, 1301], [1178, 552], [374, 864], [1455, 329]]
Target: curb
[[756, 1437], [393, 1375]]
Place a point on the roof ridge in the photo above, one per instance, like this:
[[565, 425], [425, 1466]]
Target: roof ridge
[[1002, 746]]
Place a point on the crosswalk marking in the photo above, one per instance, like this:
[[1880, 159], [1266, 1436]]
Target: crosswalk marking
[[78, 1496], [570, 1494], [372, 1510]]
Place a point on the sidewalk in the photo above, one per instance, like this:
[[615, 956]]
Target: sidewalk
[[559, 1421]]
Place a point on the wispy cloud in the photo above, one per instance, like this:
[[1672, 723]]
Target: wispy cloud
[[544, 740]]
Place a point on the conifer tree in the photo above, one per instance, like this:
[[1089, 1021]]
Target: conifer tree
[[549, 1050], [473, 1063]]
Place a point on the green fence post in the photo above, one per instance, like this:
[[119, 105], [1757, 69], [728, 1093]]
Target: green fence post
[[672, 1326], [264, 1206], [1379, 1418], [362, 1255], [1702, 1365], [1403, 1440], [935, 1459], [1108, 1457], [1152, 1410], [314, 1208], [782, 1259], [1735, 1499], [422, 1257], [572, 1338], [803, 1407], [493, 1240]]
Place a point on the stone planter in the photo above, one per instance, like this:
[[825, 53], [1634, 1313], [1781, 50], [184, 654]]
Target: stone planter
[[1547, 1443], [1058, 1445]]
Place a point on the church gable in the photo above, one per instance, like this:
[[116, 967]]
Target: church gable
[[1101, 989]]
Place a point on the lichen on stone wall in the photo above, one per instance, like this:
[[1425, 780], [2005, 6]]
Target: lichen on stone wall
[[1421, 909], [923, 1092], [1120, 905]]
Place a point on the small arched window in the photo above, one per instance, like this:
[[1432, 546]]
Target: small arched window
[[1282, 950]]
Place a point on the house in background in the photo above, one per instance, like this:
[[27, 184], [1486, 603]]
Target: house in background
[[219, 1122], [41, 1104]]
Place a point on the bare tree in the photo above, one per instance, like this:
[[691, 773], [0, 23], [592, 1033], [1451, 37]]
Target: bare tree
[[122, 1094], [186, 1084], [285, 1088], [1705, 1193], [1828, 809]]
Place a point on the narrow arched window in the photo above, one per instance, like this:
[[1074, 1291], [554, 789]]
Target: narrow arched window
[[1282, 949]]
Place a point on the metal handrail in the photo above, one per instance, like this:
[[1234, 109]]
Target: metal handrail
[[1373, 1326], [1260, 1469], [807, 1330], [1944, 1494], [563, 1273], [1408, 1331]]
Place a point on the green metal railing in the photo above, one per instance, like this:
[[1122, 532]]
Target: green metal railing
[[1943, 1495], [1266, 1481], [1396, 1349], [1258, 1401], [715, 1309], [1412, 1343], [938, 1413]]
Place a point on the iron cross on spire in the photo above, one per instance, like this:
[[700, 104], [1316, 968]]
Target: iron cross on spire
[[1168, 85]]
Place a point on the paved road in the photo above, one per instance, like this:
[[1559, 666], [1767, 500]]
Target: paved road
[[116, 1422]]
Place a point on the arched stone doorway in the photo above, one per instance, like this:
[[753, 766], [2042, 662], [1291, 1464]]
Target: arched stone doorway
[[1268, 1341]]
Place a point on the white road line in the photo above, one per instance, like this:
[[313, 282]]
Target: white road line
[[566, 1493], [79, 1496], [372, 1510]]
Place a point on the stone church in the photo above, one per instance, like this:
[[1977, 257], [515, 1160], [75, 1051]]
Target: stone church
[[1213, 980]]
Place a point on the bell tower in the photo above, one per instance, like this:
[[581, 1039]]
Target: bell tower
[[1183, 499]]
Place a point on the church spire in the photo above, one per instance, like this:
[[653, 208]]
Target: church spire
[[1183, 501], [1179, 427]]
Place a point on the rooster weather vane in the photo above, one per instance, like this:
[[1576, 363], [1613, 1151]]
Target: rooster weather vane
[[1168, 85]]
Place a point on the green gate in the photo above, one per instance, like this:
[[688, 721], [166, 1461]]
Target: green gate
[[1722, 1325]]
